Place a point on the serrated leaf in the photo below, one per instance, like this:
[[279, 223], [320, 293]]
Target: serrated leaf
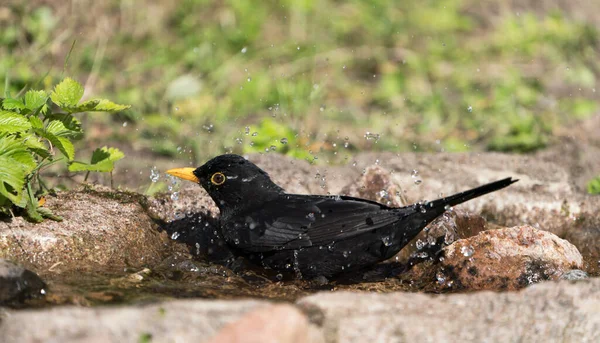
[[16, 162], [67, 93], [58, 128], [106, 153], [84, 106], [12, 122], [56, 133], [36, 122], [33, 143], [69, 121], [97, 105], [109, 106], [13, 104], [35, 100], [103, 160]]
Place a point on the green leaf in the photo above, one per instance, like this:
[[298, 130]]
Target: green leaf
[[59, 129], [46, 213], [13, 104], [33, 143], [36, 122], [16, 162], [97, 105], [67, 93], [109, 106], [56, 133], [35, 100], [103, 160], [32, 212], [12, 122], [593, 187], [69, 121]]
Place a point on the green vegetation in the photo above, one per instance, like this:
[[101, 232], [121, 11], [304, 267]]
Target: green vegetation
[[31, 133], [332, 78], [593, 187]]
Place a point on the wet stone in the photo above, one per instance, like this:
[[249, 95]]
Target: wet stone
[[102, 229], [18, 284], [507, 259]]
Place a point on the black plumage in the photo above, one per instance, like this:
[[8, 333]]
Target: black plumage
[[311, 235]]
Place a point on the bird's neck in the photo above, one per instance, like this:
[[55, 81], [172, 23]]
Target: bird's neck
[[252, 197]]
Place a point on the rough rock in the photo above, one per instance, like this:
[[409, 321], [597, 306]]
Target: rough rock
[[101, 229], [508, 258], [174, 321], [563, 311], [273, 324], [546, 312], [18, 283], [377, 184]]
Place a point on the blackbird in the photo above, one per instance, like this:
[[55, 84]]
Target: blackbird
[[310, 235]]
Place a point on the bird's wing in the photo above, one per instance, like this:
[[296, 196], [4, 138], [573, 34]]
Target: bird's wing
[[297, 221]]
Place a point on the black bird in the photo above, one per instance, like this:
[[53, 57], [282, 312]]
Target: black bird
[[310, 235]]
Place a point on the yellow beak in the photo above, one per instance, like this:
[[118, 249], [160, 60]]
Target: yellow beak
[[184, 173]]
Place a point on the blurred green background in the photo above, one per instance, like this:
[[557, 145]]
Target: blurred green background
[[319, 80]]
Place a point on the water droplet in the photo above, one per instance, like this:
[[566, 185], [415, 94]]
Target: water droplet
[[272, 148], [470, 109], [311, 216], [279, 277], [247, 130], [441, 278], [175, 235], [447, 207], [331, 247], [467, 250], [387, 241], [254, 134], [249, 79], [418, 181], [346, 144], [244, 49], [420, 244], [284, 141], [125, 124], [345, 254], [383, 193], [154, 174], [322, 108], [175, 196], [239, 140], [372, 136]]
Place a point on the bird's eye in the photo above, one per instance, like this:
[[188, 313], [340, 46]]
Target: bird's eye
[[218, 179]]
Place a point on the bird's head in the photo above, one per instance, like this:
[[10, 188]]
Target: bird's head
[[231, 181]]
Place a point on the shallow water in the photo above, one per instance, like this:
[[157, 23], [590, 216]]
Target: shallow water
[[185, 278]]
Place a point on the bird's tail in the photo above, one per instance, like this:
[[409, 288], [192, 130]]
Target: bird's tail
[[461, 197], [417, 216], [429, 210]]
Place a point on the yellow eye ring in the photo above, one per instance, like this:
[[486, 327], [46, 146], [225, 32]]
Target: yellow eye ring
[[218, 178]]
